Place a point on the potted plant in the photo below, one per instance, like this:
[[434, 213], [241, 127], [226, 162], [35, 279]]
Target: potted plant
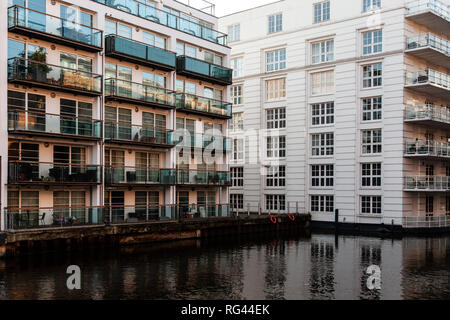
[[37, 67]]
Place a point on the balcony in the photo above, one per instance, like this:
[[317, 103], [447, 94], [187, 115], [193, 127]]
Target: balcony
[[122, 133], [205, 71], [139, 53], [45, 173], [141, 213], [46, 124], [203, 178], [204, 106], [55, 217], [136, 93], [431, 115], [153, 14], [429, 82], [50, 28], [200, 141], [47, 76], [427, 150], [431, 13], [430, 48], [422, 222], [427, 184], [116, 176], [199, 211]]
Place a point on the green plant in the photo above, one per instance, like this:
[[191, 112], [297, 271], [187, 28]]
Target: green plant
[[40, 56]]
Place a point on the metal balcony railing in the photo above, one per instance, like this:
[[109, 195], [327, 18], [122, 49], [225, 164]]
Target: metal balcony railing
[[427, 148], [137, 133], [425, 222], [198, 211], [427, 112], [204, 70], [199, 177], [428, 40], [437, 7], [201, 141], [191, 102], [428, 76], [137, 175], [427, 183]]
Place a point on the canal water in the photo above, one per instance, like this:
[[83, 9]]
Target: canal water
[[264, 267]]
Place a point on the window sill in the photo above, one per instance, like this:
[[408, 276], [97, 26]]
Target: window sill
[[372, 216]]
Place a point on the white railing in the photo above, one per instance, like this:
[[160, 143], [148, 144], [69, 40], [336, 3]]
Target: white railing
[[437, 7], [427, 183], [427, 112], [426, 222], [428, 76], [428, 40], [427, 148]]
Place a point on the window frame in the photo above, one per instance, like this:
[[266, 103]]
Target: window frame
[[322, 176], [373, 202], [370, 80], [322, 203], [276, 63], [372, 145], [323, 147], [371, 175], [369, 44], [324, 12], [368, 108], [324, 83], [276, 177], [278, 90], [323, 53], [237, 177], [276, 118], [276, 25], [276, 147], [321, 116]]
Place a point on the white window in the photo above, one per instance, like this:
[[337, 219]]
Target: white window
[[238, 149], [276, 147], [372, 109], [322, 144], [276, 118], [371, 141], [237, 123], [322, 11], [369, 5], [371, 205], [322, 204], [186, 50], [322, 175], [322, 114], [275, 23], [322, 82], [238, 67], [275, 202], [322, 51], [371, 175], [237, 176], [276, 89], [237, 201], [154, 40], [236, 94], [372, 42], [276, 176], [234, 33], [373, 75], [276, 60]]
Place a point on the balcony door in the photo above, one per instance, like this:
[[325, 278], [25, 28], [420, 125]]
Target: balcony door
[[154, 127], [69, 163], [147, 205], [206, 202], [115, 161], [26, 112], [118, 123], [76, 117], [69, 207], [31, 18], [147, 167], [27, 156], [76, 24], [116, 201]]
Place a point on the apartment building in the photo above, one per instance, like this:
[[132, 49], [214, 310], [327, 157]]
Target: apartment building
[[108, 108], [342, 107]]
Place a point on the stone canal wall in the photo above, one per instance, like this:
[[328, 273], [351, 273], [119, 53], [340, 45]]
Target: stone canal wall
[[38, 240]]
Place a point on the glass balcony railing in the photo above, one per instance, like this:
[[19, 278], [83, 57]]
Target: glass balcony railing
[[146, 11], [21, 120], [195, 103], [33, 218], [201, 141], [141, 213], [135, 175], [135, 133], [196, 177], [198, 211], [428, 40], [427, 113], [134, 50], [204, 70], [437, 7], [428, 76], [46, 173], [427, 148], [24, 70], [139, 92], [427, 183], [40, 22]]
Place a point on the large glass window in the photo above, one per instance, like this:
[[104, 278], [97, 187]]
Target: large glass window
[[322, 204], [276, 60], [322, 144], [276, 118], [276, 89], [322, 51], [322, 114], [372, 42]]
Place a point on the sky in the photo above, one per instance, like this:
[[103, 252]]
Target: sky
[[225, 7]]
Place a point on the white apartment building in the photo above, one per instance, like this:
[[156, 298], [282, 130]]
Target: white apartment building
[[93, 95], [351, 99]]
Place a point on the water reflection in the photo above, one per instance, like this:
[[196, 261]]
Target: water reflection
[[319, 267]]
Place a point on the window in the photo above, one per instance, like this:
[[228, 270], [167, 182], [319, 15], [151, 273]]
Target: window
[[276, 60], [371, 175], [322, 175], [237, 201], [429, 204], [322, 51], [276, 118], [322, 114], [372, 109], [237, 65], [447, 205], [322, 144], [153, 40], [236, 94], [372, 75], [369, 5], [186, 50], [322, 82], [275, 23], [322, 204], [186, 86], [112, 27], [371, 205], [275, 202], [322, 11], [213, 58], [237, 176], [372, 42], [276, 176], [237, 123], [276, 147], [234, 33], [238, 149], [371, 141], [276, 89]]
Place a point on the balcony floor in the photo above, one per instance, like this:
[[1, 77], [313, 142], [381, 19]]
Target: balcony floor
[[431, 123], [201, 77], [53, 183], [53, 135], [433, 21], [432, 55], [138, 102], [430, 90], [44, 85], [426, 190], [427, 157]]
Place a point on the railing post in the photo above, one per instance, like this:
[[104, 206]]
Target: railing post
[[259, 208], [296, 209], [248, 209]]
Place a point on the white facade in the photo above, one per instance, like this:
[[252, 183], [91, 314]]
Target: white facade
[[324, 64]]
